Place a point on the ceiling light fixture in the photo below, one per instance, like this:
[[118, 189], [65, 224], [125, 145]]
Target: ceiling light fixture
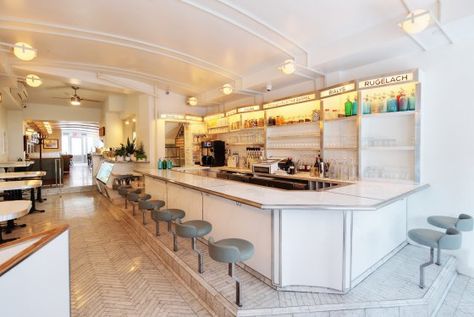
[[33, 80], [288, 67], [192, 101], [75, 100], [24, 51], [417, 21], [227, 89], [134, 120], [127, 122]]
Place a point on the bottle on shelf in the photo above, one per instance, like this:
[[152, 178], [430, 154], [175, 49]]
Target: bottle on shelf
[[291, 166], [348, 107], [412, 101], [355, 105], [392, 103], [366, 105], [160, 164], [402, 100]]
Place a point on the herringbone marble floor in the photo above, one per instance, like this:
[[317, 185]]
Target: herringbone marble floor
[[112, 272]]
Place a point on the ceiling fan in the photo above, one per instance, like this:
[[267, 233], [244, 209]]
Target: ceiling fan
[[75, 99]]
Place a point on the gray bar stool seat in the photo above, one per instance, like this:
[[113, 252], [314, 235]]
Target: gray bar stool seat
[[134, 198], [192, 229], [231, 251], [149, 205], [166, 215], [463, 222], [449, 240], [125, 190]]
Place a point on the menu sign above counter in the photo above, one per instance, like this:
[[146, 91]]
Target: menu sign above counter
[[231, 112], [387, 80], [337, 90], [248, 108], [289, 101]]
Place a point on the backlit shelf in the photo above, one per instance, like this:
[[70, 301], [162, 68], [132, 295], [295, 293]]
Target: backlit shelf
[[389, 148], [389, 114]]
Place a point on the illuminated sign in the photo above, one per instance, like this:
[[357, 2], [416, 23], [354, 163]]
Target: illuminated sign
[[337, 90], [289, 101], [387, 80], [248, 108], [172, 116], [231, 112], [214, 116], [193, 118]]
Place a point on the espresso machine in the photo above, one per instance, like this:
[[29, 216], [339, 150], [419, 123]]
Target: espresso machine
[[213, 153]]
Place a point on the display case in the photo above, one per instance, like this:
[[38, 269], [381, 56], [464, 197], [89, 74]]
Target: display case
[[390, 127], [340, 108]]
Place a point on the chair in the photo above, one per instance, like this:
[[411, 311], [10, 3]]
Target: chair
[[231, 251], [450, 240], [167, 215], [192, 229], [149, 205], [462, 223], [125, 190], [134, 198]]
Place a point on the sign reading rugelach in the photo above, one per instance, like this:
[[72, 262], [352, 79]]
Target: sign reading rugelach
[[388, 80]]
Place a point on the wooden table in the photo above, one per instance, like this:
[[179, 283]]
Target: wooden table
[[6, 165], [12, 209]]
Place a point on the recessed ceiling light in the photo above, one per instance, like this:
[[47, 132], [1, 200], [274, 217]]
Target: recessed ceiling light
[[127, 122], [417, 21], [192, 101], [134, 120], [24, 51], [33, 80], [288, 67], [227, 89]]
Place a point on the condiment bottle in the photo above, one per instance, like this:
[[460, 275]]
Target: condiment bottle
[[392, 103], [412, 101], [402, 101], [355, 106]]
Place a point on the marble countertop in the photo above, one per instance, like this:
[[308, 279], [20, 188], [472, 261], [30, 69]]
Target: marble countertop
[[361, 195], [20, 185], [29, 174], [12, 209]]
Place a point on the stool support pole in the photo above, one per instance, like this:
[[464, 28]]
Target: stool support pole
[[422, 268], [238, 290], [157, 228], [200, 257], [438, 261], [143, 213], [175, 242]]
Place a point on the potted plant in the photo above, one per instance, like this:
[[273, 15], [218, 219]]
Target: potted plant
[[140, 153], [120, 153], [129, 149]]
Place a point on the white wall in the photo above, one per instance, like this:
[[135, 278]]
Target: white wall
[[3, 130], [15, 134], [113, 129]]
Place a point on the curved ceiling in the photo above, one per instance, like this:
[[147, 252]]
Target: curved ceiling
[[193, 47]]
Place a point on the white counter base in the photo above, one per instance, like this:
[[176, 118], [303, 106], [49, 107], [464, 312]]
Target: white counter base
[[391, 290]]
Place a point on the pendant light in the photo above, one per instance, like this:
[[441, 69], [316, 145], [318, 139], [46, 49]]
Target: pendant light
[[417, 21], [192, 101], [288, 67], [24, 51], [227, 89], [33, 80], [75, 100]]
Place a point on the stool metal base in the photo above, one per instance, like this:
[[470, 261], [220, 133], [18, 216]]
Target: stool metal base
[[238, 290], [423, 266]]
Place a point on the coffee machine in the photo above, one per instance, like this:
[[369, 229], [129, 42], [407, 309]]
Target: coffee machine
[[213, 153]]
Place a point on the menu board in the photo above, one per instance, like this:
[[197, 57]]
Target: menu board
[[104, 172]]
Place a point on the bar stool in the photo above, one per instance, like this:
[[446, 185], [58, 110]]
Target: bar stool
[[125, 190], [149, 205], [192, 229], [134, 198], [451, 240], [231, 251], [463, 223], [167, 215]]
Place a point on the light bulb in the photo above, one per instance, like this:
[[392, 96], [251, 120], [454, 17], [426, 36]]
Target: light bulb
[[33, 80], [75, 101], [416, 21], [24, 51]]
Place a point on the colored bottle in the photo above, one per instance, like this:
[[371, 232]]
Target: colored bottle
[[164, 164], [169, 164], [412, 101], [402, 101], [392, 103], [366, 106], [348, 108], [160, 164], [355, 105]]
